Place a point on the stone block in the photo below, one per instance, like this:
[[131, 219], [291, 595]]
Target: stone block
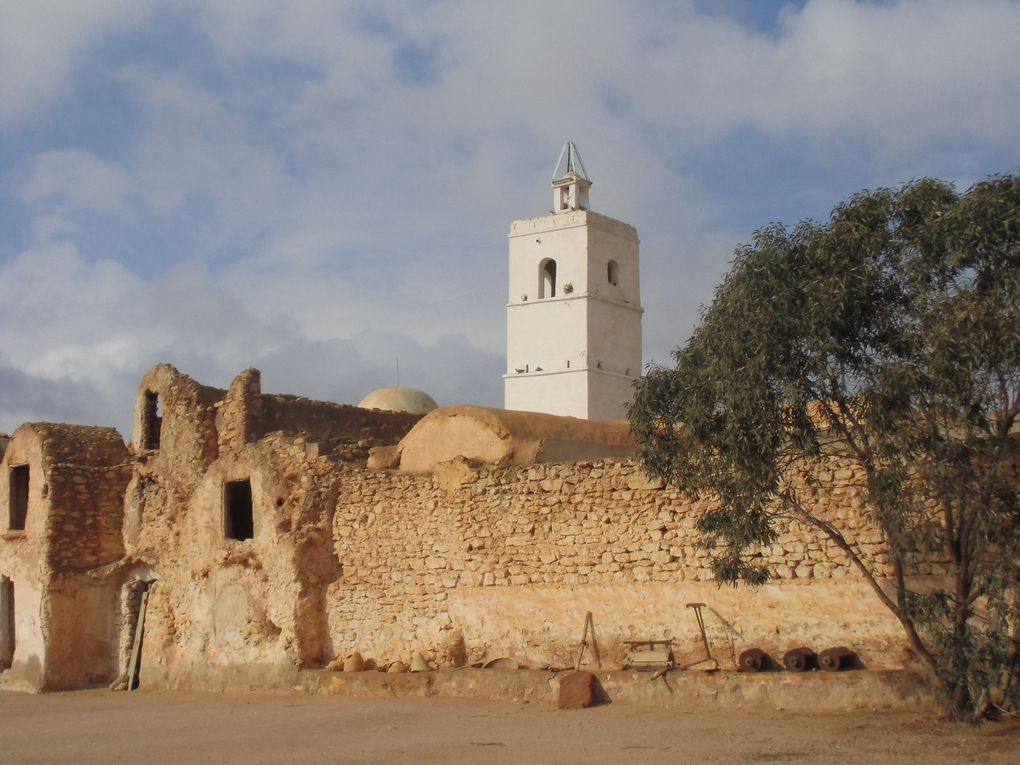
[[577, 690]]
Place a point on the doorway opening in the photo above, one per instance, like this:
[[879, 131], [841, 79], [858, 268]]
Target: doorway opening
[[8, 628]]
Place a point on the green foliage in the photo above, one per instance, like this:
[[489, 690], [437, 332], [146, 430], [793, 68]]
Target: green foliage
[[891, 336]]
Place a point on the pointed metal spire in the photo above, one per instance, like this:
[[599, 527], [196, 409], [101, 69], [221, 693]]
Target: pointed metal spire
[[570, 162]]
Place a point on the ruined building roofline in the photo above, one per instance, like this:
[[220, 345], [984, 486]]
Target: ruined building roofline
[[75, 444], [541, 425], [481, 435]]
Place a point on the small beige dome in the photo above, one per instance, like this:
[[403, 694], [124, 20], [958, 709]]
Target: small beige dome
[[410, 400]]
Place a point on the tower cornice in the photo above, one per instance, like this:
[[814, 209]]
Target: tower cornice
[[573, 219]]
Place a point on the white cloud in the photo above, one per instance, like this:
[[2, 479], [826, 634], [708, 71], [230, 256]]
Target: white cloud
[[87, 331], [905, 76], [74, 179], [192, 150], [66, 311], [42, 40]]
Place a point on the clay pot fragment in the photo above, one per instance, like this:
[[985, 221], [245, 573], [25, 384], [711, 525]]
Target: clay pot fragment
[[396, 667], [419, 664], [354, 663]]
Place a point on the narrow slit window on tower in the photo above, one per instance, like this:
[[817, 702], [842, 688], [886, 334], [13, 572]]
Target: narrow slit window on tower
[[152, 426], [613, 272], [18, 493], [547, 289], [238, 519]]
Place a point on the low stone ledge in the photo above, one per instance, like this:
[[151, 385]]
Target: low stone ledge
[[227, 678], [690, 690]]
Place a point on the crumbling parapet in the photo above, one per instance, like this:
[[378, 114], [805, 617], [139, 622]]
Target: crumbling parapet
[[175, 422], [240, 415]]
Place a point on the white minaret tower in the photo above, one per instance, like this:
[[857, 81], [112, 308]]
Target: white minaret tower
[[573, 322]]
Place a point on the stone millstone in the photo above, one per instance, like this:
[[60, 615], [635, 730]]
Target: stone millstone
[[577, 690]]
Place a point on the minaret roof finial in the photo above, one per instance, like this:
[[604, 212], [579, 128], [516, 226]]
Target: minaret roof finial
[[570, 162]]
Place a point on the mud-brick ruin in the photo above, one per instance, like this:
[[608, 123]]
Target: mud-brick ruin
[[274, 534]]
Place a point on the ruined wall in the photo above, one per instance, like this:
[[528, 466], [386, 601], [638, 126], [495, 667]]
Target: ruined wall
[[351, 430], [246, 414], [64, 636], [165, 476], [244, 611], [506, 561], [23, 560], [237, 607]]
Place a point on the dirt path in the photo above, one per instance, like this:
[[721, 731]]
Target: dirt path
[[176, 727]]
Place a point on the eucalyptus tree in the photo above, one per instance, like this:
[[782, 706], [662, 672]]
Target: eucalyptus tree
[[889, 336]]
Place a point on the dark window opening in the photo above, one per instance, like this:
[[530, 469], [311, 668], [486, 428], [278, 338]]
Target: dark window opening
[[238, 518], [613, 272], [18, 491], [7, 624], [548, 275], [152, 426]]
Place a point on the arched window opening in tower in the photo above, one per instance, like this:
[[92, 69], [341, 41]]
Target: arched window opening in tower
[[613, 272], [547, 287]]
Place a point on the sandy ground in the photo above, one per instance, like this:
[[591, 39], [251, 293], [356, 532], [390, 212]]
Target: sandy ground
[[178, 727]]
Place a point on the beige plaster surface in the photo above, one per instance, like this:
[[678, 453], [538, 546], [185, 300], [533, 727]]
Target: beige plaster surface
[[507, 437]]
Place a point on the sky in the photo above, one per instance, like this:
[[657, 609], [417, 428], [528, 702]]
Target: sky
[[323, 189]]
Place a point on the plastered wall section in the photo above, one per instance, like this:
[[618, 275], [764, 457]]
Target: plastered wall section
[[243, 612], [472, 563]]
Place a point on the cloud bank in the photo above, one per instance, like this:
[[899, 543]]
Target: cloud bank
[[320, 189]]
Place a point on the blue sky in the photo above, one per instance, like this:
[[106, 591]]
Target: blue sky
[[319, 188]]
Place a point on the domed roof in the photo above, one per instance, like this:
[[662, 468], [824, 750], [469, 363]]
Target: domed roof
[[399, 399]]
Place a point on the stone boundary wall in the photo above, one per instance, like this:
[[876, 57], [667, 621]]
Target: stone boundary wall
[[439, 563]]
